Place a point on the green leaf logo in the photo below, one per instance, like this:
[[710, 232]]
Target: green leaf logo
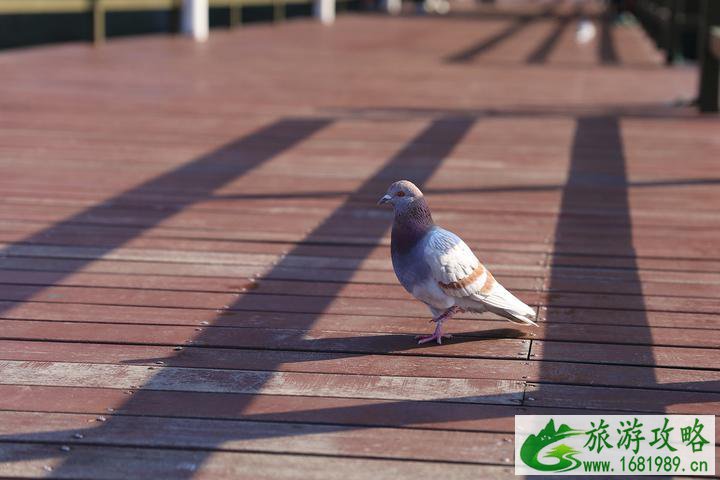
[[564, 454]]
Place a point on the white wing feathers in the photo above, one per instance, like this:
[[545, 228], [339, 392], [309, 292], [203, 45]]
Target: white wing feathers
[[460, 274], [504, 303], [452, 263]]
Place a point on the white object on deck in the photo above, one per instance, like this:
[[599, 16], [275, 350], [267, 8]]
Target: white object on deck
[[393, 7], [585, 32], [195, 21], [325, 11]]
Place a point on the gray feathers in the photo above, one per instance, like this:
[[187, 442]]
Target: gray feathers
[[438, 268]]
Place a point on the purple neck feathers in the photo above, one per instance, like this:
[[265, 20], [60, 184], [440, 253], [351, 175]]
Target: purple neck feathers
[[411, 224]]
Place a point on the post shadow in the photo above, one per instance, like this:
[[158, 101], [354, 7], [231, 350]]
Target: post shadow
[[191, 182], [470, 53], [417, 161], [597, 185], [547, 187], [546, 47], [606, 45]]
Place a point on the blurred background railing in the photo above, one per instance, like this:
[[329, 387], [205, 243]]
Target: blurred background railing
[[29, 22], [686, 30]]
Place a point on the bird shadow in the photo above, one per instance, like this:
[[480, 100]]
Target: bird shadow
[[352, 346]]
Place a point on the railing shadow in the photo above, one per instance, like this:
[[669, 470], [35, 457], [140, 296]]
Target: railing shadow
[[597, 176], [543, 51], [190, 183], [417, 161], [470, 53]]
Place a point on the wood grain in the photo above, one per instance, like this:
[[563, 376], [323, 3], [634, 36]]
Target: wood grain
[[195, 278]]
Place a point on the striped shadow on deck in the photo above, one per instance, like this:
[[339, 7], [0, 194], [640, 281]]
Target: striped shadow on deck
[[417, 162], [433, 408], [312, 370]]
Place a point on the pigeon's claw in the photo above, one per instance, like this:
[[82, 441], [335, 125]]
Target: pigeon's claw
[[446, 314], [429, 338], [437, 334]]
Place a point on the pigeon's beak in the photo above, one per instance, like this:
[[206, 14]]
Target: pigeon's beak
[[384, 199]]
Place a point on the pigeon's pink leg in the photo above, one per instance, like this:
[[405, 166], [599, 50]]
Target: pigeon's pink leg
[[437, 335]]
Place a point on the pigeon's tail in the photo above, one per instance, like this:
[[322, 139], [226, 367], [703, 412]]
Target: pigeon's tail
[[501, 302], [515, 317]]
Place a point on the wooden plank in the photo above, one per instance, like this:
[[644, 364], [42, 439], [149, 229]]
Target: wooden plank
[[708, 282], [277, 408], [114, 462], [270, 437], [631, 318], [605, 283], [392, 289], [665, 264], [625, 354], [268, 271], [343, 332], [222, 301], [272, 383], [631, 400], [620, 334], [366, 364], [600, 280], [222, 258], [329, 321], [583, 250], [494, 343], [225, 285], [307, 362], [201, 317], [95, 234], [635, 302], [348, 412], [349, 301]]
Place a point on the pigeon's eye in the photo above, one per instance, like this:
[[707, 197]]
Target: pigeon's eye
[[400, 193]]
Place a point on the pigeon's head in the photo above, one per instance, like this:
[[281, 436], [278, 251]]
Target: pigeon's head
[[401, 194]]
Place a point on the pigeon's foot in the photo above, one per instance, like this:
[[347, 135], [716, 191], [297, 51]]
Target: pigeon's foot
[[437, 334], [447, 314], [429, 338]]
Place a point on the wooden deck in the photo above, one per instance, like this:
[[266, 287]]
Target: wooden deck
[[196, 283]]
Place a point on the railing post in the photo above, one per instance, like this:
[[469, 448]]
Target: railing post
[[278, 10], [709, 63], [671, 32], [98, 22], [235, 13], [175, 17], [324, 11], [195, 21]]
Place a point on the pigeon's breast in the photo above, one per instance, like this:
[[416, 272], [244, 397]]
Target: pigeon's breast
[[415, 275], [410, 268]]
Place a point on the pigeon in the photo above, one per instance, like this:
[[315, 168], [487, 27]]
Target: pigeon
[[439, 269]]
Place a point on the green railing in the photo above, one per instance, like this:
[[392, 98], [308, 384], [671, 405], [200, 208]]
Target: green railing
[[709, 58], [97, 9], [669, 22]]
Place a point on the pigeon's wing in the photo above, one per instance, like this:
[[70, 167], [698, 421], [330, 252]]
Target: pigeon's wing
[[454, 266], [460, 274]]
